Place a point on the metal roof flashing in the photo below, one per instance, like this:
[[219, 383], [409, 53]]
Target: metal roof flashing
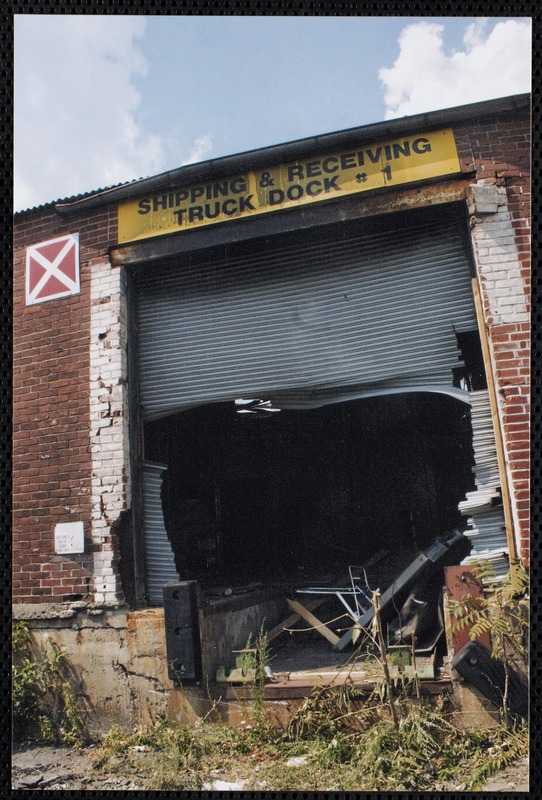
[[262, 157]]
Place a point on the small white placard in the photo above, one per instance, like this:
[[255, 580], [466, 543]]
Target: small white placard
[[69, 537]]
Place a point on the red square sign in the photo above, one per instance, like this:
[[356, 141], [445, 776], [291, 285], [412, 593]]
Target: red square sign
[[52, 269]]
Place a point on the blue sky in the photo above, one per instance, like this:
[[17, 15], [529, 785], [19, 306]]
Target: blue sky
[[105, 99]]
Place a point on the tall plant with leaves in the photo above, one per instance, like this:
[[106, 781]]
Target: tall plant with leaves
[[43, 701], [501, 613], [262, 729]]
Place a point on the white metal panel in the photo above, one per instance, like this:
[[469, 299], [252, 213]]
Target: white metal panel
[[483, 507], [158, 553]]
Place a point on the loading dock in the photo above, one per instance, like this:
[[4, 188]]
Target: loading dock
[[302, 406]]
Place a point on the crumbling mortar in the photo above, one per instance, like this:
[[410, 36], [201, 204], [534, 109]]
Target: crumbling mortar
[[49, 612], [106, 413], [103, 512]]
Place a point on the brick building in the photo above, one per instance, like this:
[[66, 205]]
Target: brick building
[[222, 369]]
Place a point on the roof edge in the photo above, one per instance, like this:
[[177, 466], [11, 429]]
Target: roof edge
[[266, 156]]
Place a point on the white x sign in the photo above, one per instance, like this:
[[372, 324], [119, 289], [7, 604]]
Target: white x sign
[[52, 269]]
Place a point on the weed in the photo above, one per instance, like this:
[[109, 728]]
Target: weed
[[325, 713], [261, 729], [425, 750], [506, 748], [44, 704], [414, 752], [172, 756], [112, 743], [401, 756], [499, 613]]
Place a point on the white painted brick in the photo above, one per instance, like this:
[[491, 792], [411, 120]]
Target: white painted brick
[[507, 300], [114, 499], [503, 249], [110, 448], [505, 258], [506, 240], [500, 276], [107, 446], [515, 317], [498, 266]]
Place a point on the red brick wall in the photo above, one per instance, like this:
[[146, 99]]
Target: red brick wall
[[51, 446], [500, 152], [512, 356]]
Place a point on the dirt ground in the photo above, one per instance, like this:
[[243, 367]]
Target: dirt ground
[[40, 767]]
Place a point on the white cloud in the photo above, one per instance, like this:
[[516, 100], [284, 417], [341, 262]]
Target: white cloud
[[425, 78], [201, 148], [76, 125]]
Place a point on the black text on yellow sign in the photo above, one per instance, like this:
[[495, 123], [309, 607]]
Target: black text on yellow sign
[[329, 176]]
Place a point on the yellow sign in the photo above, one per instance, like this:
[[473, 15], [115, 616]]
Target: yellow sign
[[390, 163]]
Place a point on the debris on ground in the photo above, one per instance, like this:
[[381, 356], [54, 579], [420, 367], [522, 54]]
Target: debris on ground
[[74, 769]]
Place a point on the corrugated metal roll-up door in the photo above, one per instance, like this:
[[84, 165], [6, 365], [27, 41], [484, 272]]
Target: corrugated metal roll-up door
[[483, 507], [370, 310], [158, 553]]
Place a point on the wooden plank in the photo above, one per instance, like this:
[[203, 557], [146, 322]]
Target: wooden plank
[[337, 676], [311, 605], [499, 444], [321, 627]]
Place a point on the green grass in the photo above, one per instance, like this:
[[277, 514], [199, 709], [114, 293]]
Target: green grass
[[44, 705], [340, 743]]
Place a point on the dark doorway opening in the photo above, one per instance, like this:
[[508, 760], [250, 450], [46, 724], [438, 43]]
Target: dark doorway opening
[[265, 496]]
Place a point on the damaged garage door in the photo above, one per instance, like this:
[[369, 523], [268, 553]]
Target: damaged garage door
[[364, 309]]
